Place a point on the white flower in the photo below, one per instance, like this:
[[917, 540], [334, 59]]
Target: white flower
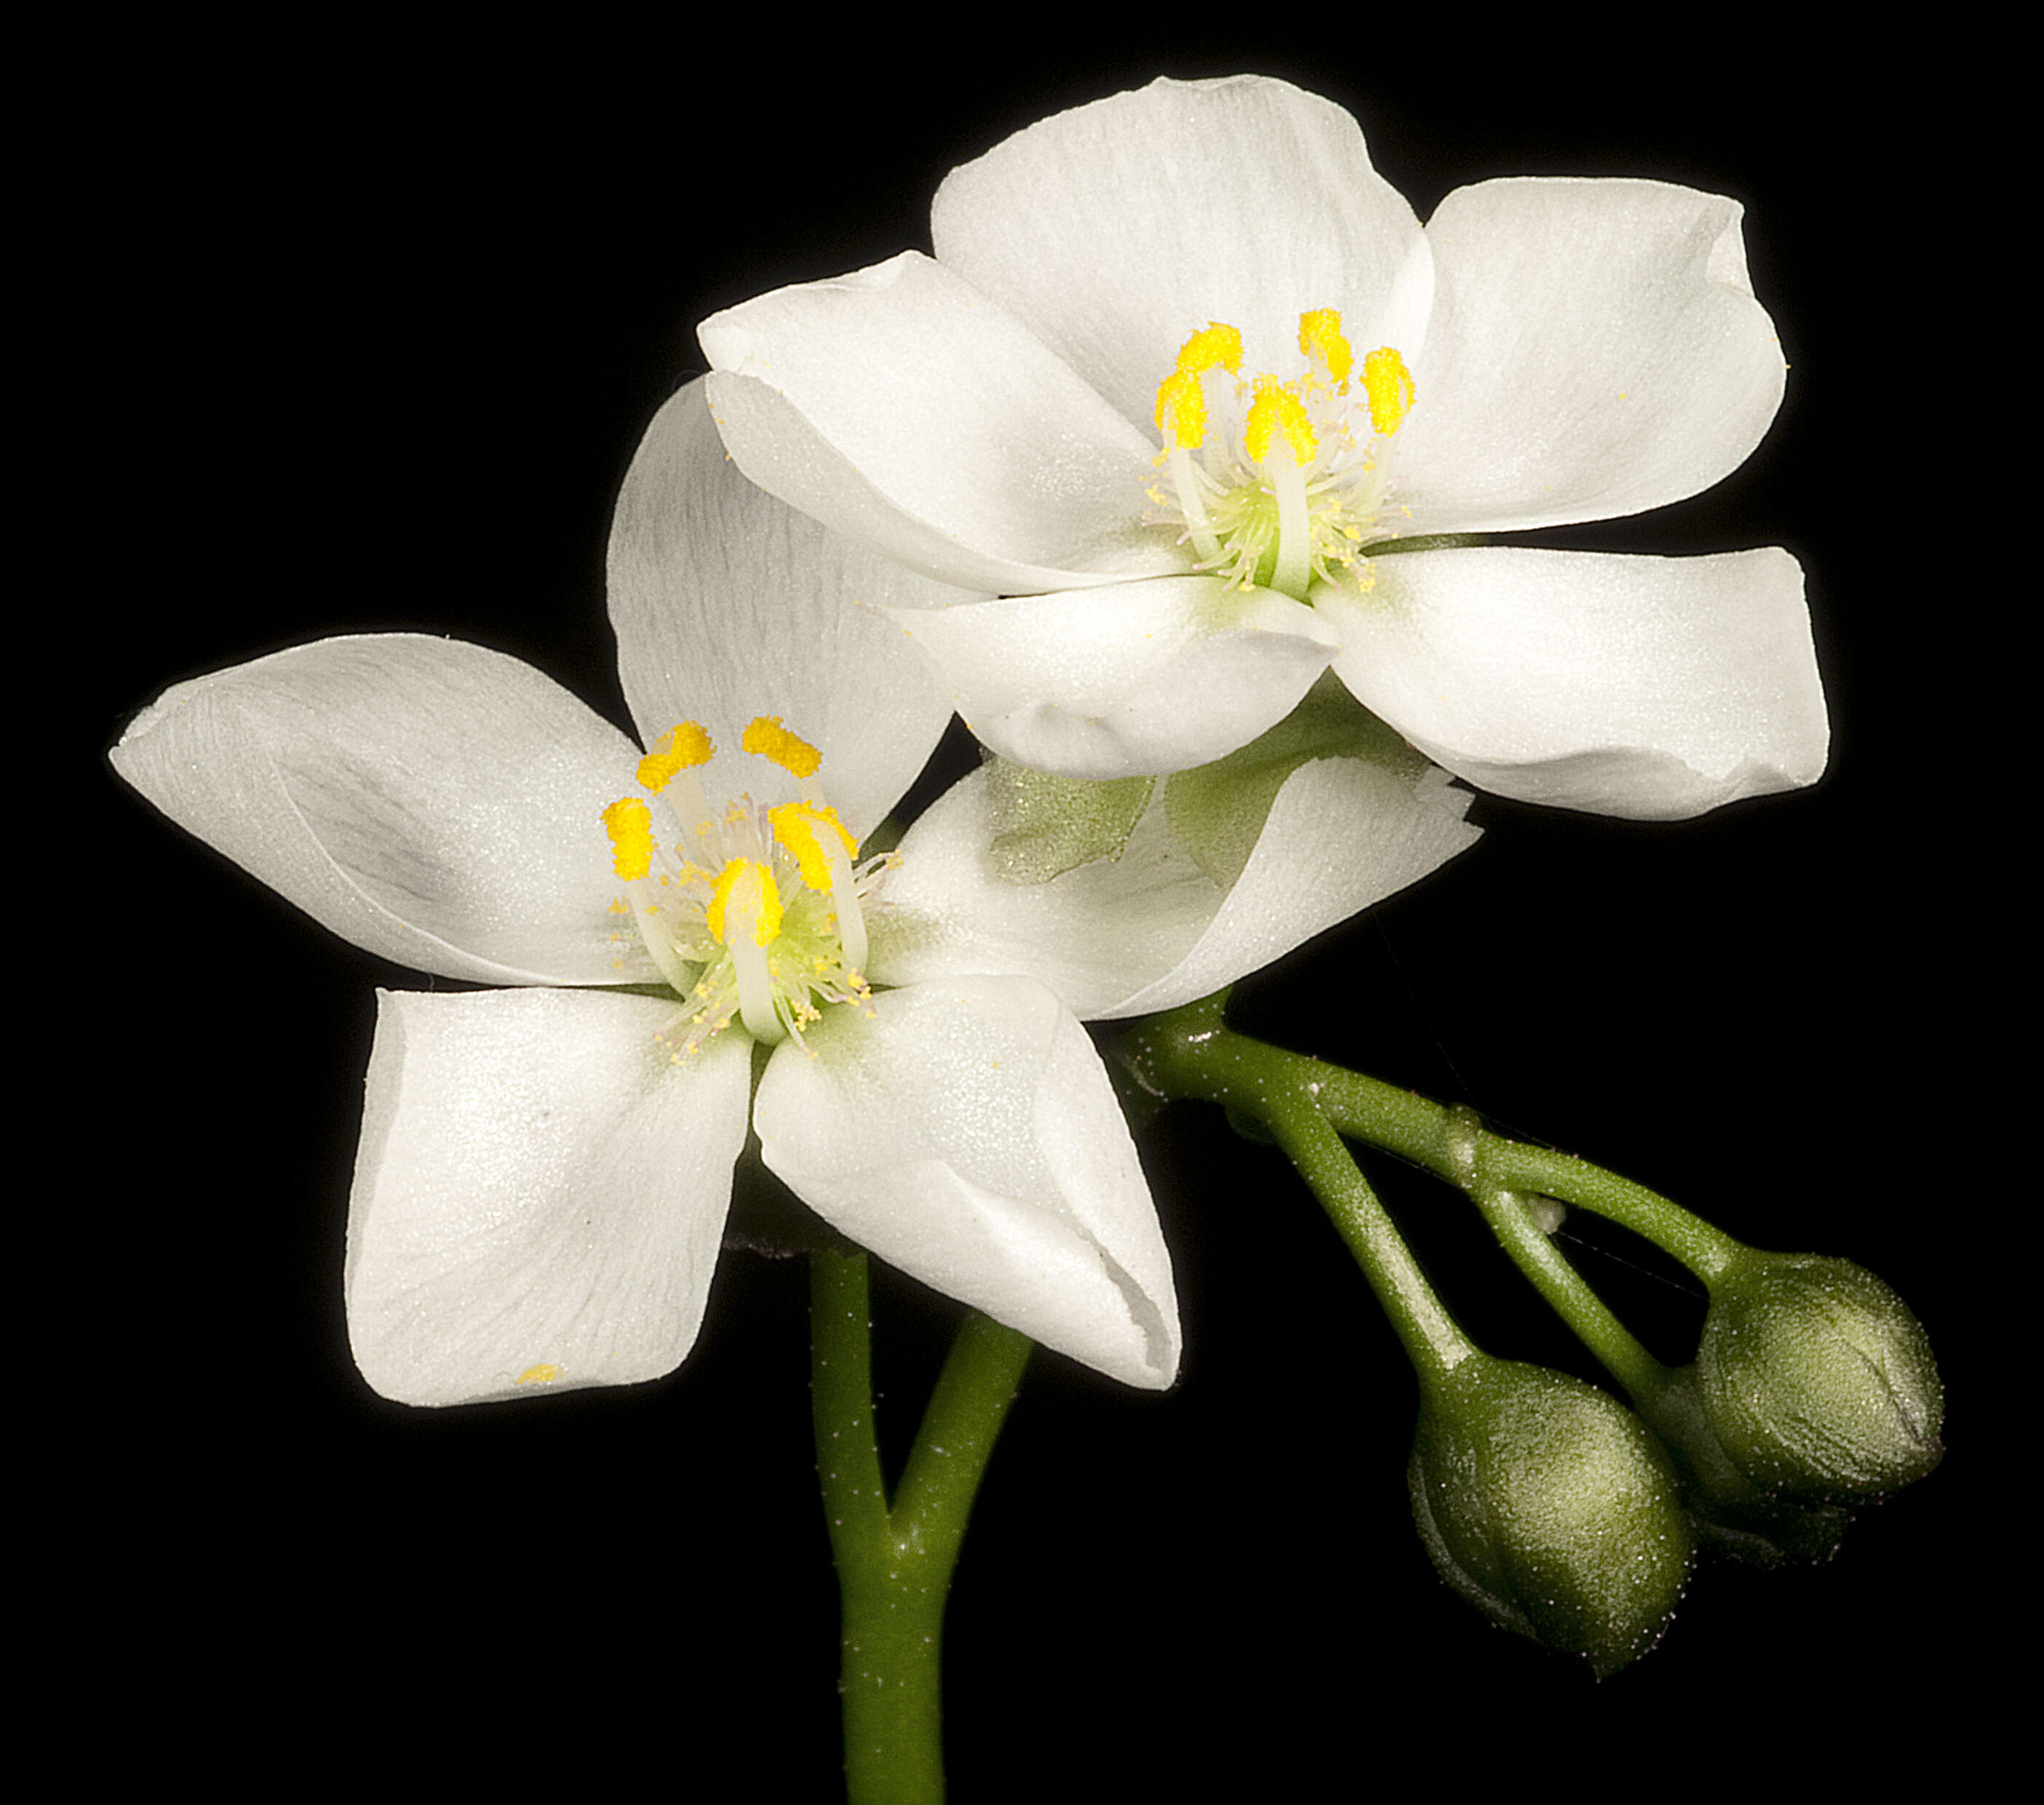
[[545, 1170], [1182, 369]]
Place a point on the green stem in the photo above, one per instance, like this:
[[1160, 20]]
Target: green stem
[[1535, 1255], [1448, 1143], [841, 1398], [966, 1413], [1433, 1341], [1192, 1053], [1189, 1054], [894, 1566], [1705, 1251]]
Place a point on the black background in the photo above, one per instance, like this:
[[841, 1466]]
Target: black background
[[386, 326]]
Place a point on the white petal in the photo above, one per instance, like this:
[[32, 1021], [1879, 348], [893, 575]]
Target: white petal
[[540, 1193], [430, 801], [1151, 930], [901, 407], [1596, 350], [1655, 688], [1094, 935], [1126, 681], [728, 603], [1342, 834], [1116, 229], [968, 1135]]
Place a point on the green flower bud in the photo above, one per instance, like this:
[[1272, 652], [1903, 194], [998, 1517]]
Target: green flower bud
[[1815, 1380], [1549, 1507], [1729, 1510]]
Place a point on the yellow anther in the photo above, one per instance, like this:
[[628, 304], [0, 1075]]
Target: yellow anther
[[1388, 384], [748, 886], [1181, 402], [1213, 347], [629, 823], [1320, 335], [800, 826], [1182, 409], [680, 748], [544, 1373], [1277, 410], [766, 735]]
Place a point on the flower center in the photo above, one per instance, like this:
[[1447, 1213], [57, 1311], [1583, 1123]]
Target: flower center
[[1279, 483], [752, 911]]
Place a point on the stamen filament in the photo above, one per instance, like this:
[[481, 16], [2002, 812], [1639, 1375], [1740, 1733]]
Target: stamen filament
[[1206, 542], [755, 982], [680, 977], [692, 812], [753, 912], [1293, 575], [1291, 488], [844, 904]]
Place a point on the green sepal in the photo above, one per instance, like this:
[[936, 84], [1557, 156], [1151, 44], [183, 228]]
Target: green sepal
[[1216, 812], [1045, 826], [1817, 1381], [1728, 1510], [1549, 1507]]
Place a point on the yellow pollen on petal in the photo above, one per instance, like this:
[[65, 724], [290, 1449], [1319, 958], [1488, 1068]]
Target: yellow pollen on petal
[[760, 891], [544, 1373], [764, 735], [1388, 384], [629, 823], [680, 748], [1320, 334], [799, 827], [1277, 410], [1182, 409]]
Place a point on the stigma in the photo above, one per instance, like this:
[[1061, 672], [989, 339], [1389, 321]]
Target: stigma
[[1279, 481], [755, 913]]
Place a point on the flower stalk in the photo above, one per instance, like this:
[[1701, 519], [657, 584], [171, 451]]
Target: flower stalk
[[1814, 1389], [1542, 1501], [1510, 1220], [895, 1563], [1191, 1052]]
